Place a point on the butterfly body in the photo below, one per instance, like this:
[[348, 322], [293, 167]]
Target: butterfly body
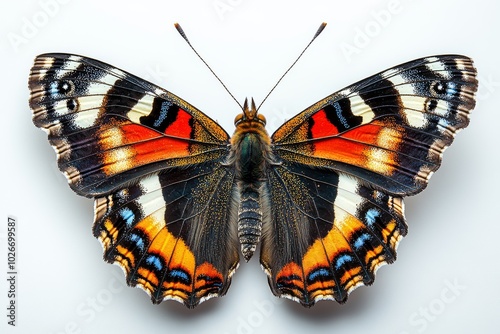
[[251, 156], [177, 199]]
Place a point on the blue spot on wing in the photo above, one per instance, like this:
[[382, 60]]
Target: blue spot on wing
[[139, 242], [154, 261], [341, 260], [360, 241], [165, 105], [179, 275], [53, 89], [320, 274], [451, 89], [128, 216], [371, 216]]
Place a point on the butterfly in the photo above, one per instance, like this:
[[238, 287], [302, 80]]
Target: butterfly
[[177, 199]]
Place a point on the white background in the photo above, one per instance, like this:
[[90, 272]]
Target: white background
[[65, 287]]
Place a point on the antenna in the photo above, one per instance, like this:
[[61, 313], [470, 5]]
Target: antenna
[[183, 34], [320, 29]]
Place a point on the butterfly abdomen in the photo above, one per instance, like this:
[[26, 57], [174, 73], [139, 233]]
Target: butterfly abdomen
[[251, 154], [250, 170], [249, 220]]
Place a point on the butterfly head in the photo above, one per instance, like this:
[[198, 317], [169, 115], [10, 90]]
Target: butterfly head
[[249, 114]]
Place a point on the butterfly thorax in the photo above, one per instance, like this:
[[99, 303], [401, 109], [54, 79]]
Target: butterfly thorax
[[250, 156]]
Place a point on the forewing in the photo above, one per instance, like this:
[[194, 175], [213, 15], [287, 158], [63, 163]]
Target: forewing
[[109, 127], [389, 130]]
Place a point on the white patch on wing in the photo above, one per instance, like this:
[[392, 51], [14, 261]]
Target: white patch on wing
[[90, 102], [416, 119], [152, 200], [159, 92], [347, 200], [442, 108], [402, 85], [436, 65], [150, 184], [143, 108], [119, 73], [102, 85], [86, 119], [61, 107], [360, 108], [69, 65], [390, 73], [414, 107]]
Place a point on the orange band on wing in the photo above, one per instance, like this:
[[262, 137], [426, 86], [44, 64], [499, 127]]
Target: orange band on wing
[[175, 273], [368, 146], [150, 145], [320, 260], [135, 145]]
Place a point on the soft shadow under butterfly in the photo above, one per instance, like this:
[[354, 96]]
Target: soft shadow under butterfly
[[177, 198]]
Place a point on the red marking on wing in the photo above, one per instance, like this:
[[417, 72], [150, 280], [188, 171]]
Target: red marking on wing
[[350, 146], [180, 127], [322, 127], [149, 145]]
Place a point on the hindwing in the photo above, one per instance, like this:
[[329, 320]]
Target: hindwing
[[172, 233], [328, 233]]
